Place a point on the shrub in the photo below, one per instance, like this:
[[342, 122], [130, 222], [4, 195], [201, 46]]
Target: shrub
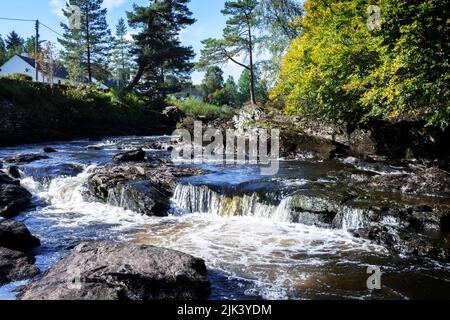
[[19, 77], [200, 109]]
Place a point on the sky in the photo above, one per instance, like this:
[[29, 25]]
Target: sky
[[210, 22]]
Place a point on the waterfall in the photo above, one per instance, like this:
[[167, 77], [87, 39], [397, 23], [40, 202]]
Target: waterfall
[[201, 199]]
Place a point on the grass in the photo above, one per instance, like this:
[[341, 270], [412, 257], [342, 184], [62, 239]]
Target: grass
[[200, 109]]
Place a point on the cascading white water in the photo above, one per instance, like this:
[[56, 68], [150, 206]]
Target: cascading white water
[[201, 199], [64, 196]]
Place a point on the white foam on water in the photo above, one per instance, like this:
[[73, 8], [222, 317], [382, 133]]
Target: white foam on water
[[68, 207], [241, 237], [275, 256]]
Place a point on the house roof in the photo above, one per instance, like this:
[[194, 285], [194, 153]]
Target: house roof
[[59, 72]]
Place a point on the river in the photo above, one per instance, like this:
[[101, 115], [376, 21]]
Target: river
[[253, 250]]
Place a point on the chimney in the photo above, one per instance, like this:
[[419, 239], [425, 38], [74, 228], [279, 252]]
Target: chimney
[[24, 54]]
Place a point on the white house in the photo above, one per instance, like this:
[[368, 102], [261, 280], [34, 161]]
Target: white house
[[23, 64]]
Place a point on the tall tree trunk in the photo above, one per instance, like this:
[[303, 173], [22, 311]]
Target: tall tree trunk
[[88, 46], [136, 78], [252, 69]]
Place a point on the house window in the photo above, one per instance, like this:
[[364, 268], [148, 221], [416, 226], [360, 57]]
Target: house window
[[59, 82]]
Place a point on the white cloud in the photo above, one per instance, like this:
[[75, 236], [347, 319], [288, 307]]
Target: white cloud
[[56, 6]]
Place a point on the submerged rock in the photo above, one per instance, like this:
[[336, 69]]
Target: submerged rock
[[25, 158], [104, 271], [13, 197], [14, 235], [16, 266], [49, 150], [130, 156]]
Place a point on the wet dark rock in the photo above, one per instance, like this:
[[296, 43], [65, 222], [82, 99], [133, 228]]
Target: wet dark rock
[[14, 172], [25, 158], [173, 115], [161, 145], [14, 235], [49, 150], [131, 156], [95, 148], [426, 181], [104, 271], [16, 266], [143, 188], [13, 197]]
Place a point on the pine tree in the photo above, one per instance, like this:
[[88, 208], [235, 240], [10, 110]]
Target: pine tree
[[238, 39], [163, 62], [29, 46], [2, 51], [14, 42], [88, 46], [121, 54], [212, 82]]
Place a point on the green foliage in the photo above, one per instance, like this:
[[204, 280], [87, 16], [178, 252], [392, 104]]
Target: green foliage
[[239, 38], [164, 64], [14, 41], [84, 107], [212, 83], [413, 79], [341, 70], [261, 88], [2, 51], [18, 77], [279, 28], [121, 56], [125, 99], [200, 109]]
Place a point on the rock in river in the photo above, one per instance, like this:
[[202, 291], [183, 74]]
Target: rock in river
[[14, 172], [14, 235], [130, 156], [25, 158], [106, 271], [49, 150], [142, 188], [13, 197], [15, 266]]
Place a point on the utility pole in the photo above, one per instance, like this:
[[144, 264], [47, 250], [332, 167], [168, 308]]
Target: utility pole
[[36, 49]]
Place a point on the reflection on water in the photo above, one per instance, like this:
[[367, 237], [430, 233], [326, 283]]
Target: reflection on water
[[253, 250]]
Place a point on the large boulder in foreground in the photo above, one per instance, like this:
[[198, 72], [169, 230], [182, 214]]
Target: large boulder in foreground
[[14, 235], [106, 271], [16, 266], [13, 197]]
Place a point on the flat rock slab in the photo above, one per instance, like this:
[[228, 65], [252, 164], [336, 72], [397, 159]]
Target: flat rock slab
[[107, 271], [25, 158], [14, 235], [16, 266]]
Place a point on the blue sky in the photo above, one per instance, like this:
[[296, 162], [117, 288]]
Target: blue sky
[[210, 21]]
